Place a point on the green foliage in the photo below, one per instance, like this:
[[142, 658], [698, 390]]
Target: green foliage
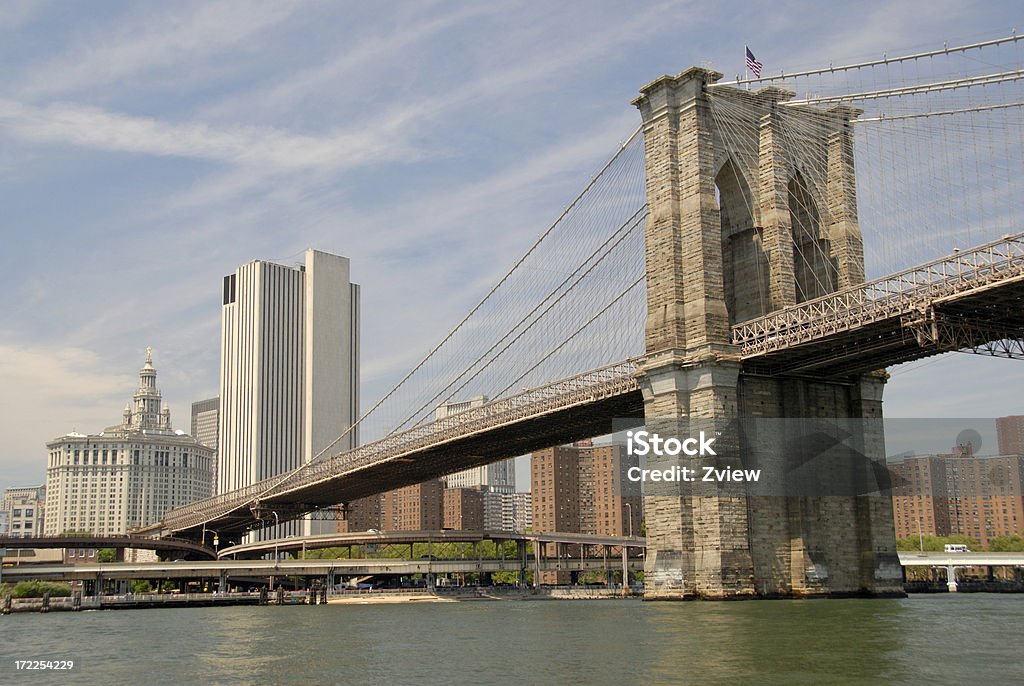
[[935, 543], [505, 578], [591, 578], [487, 550], [36, 589], [106, 555], [1006, 544], [141, 586], [330, 554]]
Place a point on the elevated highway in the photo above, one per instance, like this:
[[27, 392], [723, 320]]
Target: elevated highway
[[934, 559], [313, 568], [176, 546], [341, 540]]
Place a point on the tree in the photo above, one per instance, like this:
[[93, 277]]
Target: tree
[[935, 543], [106, 555], [1006, 544], [141, 586], [36, 589]]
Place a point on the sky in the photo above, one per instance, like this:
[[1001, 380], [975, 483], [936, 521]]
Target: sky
[[147, 149]]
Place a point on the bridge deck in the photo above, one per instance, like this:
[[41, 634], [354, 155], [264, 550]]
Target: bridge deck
[[565, 411], [965, 300], [315, 542], [961, 301], [166, 544]]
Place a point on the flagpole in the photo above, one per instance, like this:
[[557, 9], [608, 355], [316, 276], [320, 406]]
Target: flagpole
[[745, 49]]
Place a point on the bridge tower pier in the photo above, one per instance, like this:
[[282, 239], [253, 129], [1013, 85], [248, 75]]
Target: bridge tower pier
[[750, 208]]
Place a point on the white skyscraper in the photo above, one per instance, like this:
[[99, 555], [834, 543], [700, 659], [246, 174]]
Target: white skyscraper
[[289, 372]]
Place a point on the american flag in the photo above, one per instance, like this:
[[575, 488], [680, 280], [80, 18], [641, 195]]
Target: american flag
[[752, 64]]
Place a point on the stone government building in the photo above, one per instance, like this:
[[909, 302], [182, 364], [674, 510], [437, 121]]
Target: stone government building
[[128, 475]]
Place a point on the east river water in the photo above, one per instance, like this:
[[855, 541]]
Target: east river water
[[966, 638]]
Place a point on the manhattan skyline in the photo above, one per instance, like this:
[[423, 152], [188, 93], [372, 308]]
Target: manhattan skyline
[[152, 149]]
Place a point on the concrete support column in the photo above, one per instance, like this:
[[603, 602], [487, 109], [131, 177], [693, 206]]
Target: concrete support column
[[536, 564], [951, 578], [625, 571]]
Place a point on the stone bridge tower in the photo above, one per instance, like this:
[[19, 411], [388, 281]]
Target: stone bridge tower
[[751, 207]]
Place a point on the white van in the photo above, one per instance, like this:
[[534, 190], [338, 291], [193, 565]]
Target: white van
[[957, 548]]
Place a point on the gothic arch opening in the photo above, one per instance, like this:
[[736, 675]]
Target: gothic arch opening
[[813, 264], [743, 258]]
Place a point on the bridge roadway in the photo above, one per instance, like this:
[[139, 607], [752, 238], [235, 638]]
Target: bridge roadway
[[934, 559], [964, 301], [564, 411], [210, 569], [168, 544], [971, 299], [364, 567], [342, 540]]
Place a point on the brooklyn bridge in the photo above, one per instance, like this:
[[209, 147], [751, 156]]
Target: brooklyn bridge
[[759, 248]]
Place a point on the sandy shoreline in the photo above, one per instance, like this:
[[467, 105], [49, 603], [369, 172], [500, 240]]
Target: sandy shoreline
[[388, 598]]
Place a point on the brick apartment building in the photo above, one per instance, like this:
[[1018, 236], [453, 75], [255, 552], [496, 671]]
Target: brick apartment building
[[583, 488]]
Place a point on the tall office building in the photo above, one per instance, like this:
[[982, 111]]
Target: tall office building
[[128, 475], [1010, 432], [205, 420], [22, 510], [289, 373]]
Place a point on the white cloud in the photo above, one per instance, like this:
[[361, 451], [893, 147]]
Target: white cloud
[[50, 391], [354, 60], [149, 40], [18, 13], [91, 127]]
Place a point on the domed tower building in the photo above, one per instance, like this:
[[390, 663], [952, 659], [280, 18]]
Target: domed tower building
[[129, 474]]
